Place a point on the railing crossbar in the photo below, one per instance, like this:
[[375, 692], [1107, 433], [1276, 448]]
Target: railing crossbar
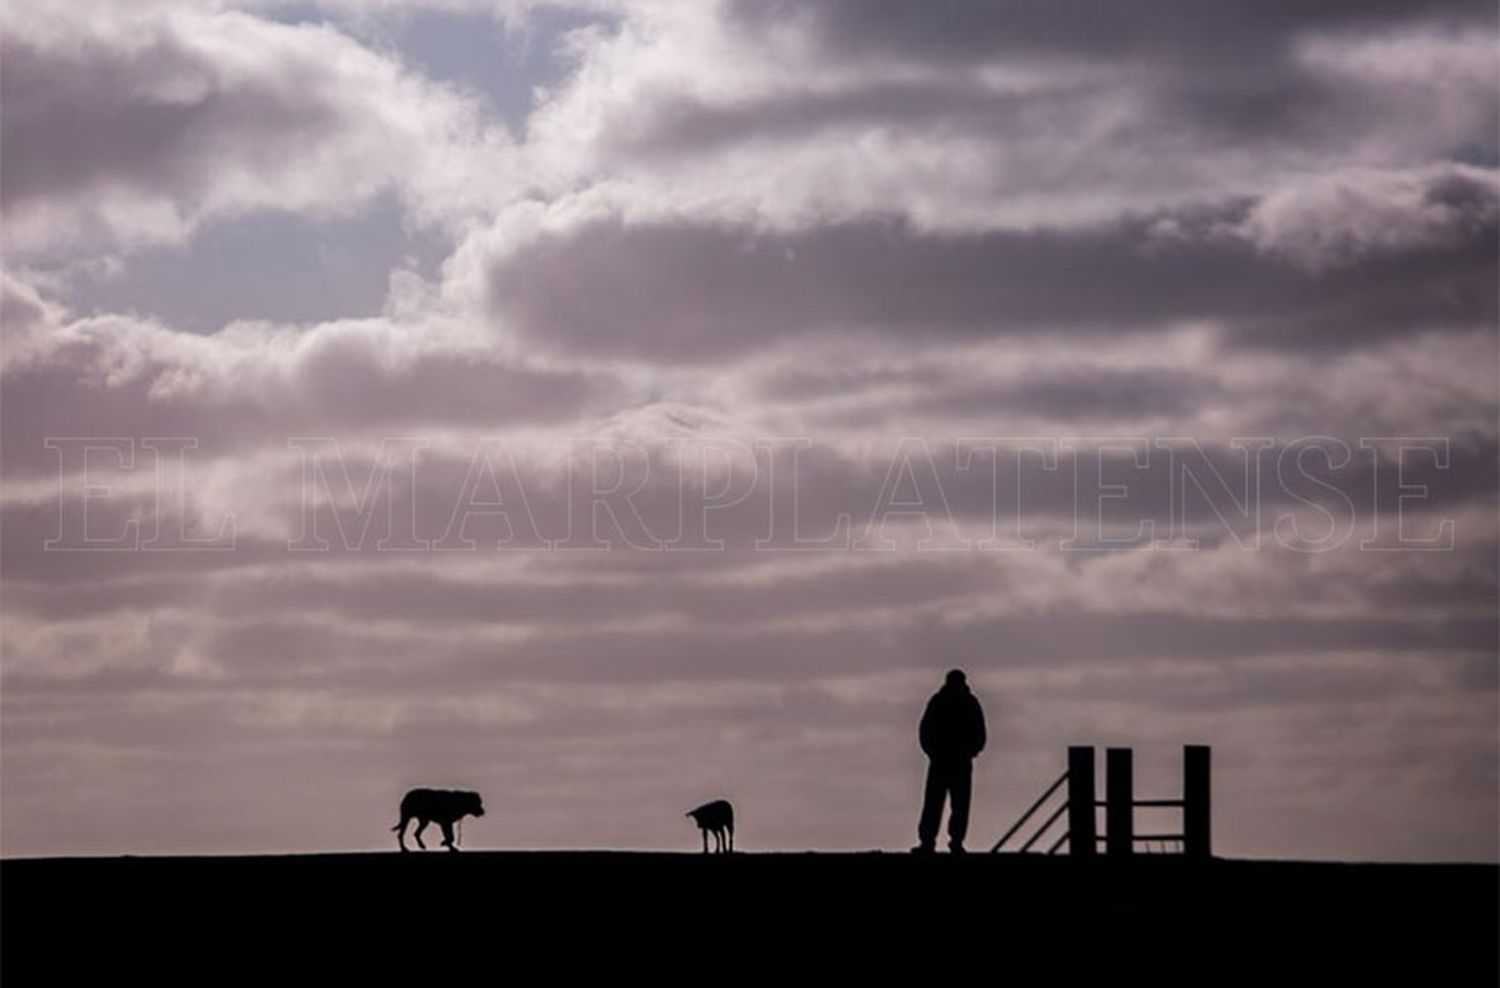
[[1043, 828], [1080, 802], [1028, 814]]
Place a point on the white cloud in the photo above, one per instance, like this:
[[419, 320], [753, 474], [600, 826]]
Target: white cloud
[[135, 125], [1340, 218]]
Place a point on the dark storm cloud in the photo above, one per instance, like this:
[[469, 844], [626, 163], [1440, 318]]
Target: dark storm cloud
[[295, 647], [653, 499], [581, 638], [1197, 492], [93, 386], [1059, 396], [577, 601], [682, 124], [702, 292], [126, 125], [1247, 30], [1180, 112], [781, 495], [141, 115]]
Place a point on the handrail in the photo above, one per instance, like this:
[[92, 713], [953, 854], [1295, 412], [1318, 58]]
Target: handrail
[[1103, 803], [1043, 828], [1080, 802], [1027, 815]]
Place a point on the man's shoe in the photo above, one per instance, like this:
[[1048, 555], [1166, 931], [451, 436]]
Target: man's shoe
[[923, 849], [956, 848]]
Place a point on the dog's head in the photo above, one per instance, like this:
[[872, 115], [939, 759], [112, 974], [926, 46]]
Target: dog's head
[[472, 804]]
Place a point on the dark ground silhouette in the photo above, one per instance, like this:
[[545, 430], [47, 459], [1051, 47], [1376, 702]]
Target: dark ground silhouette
[[715, 818], [383, 918]]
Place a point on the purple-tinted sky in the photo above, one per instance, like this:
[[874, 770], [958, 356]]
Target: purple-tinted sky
[[642, 283]]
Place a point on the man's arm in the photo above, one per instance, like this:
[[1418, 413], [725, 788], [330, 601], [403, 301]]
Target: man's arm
[[924, 730], [980, 736]]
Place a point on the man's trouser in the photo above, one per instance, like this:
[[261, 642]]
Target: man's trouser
[[946, 778]]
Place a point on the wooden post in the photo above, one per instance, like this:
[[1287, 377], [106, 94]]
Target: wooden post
[[1082, 831], [1197, 829], [1119, 802]]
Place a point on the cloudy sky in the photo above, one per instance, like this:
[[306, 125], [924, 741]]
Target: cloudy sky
[[613, 404]]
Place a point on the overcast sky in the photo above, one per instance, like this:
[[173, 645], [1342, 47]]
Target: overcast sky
[[762, 260]]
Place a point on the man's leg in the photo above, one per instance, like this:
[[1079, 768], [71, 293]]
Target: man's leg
[[932, 807], [960, 786]]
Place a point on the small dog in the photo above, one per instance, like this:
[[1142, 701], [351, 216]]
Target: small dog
[[715, 818], [444, 807]]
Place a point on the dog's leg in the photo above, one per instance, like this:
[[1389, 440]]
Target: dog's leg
[[421, 826], [447, 826], [401, 832]]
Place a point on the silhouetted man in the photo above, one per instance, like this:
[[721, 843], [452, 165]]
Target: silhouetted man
[[952, 733]]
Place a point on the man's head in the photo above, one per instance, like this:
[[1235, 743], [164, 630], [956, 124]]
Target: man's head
[[956, 680]]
